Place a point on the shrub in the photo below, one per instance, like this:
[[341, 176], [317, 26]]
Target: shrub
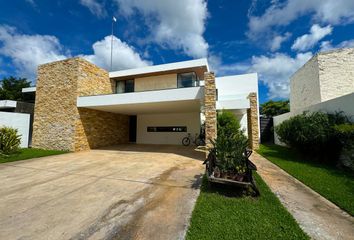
[[230, 143], [229, 152], [345, 132], [9, 140], [345, 135], [314, 134], [227, 123], [274, 108]]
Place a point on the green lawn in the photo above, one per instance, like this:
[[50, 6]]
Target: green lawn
[[221, 213], [333, 184], [28, 153]]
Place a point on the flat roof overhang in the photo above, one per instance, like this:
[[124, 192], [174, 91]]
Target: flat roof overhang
[[199, 66], [5, 104], [28, 89], [159, 101]]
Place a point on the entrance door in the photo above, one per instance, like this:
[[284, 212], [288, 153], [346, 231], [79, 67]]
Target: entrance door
[[132, 129]]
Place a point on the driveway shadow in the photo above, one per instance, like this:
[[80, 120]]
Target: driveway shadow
[[189, 151]]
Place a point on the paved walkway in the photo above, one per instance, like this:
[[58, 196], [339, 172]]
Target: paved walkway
[[318, 217], [126, 192]]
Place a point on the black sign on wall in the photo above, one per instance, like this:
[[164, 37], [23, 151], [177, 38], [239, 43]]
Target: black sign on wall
[[167, 129]]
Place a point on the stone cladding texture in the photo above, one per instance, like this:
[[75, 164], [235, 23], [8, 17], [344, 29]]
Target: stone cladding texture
[[210, 108], [58, 123], [252, 118]]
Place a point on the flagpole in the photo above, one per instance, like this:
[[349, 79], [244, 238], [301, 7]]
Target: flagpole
[[112, 44]]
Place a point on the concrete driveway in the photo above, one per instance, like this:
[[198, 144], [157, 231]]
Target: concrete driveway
[[126, 192]]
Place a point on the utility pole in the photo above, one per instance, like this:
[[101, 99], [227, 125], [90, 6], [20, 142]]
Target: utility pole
[[113, 21]]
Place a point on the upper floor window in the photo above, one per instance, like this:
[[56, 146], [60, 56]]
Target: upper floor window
[[187, 80], [124, 86]]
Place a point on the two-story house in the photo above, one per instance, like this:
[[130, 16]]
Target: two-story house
[[80, 106]]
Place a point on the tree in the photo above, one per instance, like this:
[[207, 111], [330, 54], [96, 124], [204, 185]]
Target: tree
[[274, 108], [11, 88]]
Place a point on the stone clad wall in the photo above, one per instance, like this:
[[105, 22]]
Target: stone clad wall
[[58, 123], [92, 80], [55, 109], [210, 108], [98, 129], [252, 118]]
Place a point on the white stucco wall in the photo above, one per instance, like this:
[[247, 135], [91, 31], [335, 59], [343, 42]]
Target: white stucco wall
[[344, 103], [191, 120], [242, 117], [304, 86], [236, 86], [336, 71], [233, 92], [20, 121]]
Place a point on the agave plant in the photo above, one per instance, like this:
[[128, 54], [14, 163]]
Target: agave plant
[[10, 140]]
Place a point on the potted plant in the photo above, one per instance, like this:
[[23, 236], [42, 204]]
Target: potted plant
[[228, 161]]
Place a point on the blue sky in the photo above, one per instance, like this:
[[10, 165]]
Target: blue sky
[[271, 37]]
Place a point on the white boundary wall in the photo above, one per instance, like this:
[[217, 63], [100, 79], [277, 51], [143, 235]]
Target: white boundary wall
[[344, 104], [20, 121]]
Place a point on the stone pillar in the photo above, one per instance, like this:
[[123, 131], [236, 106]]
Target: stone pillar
[[252, 121], [210, 108], [58, 123]]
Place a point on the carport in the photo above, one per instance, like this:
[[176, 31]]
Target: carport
[[155, 117]]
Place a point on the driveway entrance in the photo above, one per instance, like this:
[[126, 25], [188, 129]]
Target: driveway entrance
[[124, 192]]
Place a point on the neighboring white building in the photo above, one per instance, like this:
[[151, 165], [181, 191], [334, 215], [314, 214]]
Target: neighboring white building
[[324, 83], [325, 76]]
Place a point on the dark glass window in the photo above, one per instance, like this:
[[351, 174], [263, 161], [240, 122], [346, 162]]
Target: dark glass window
[[187, 80], [124, 86], [167, 129]]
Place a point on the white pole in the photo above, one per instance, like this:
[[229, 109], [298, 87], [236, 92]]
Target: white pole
[[112, 44]]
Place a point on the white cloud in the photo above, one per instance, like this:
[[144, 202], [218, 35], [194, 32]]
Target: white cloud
[[178, 25], [222, 69], [278, 40], [28, 51], [346, 44], [95, 7], [275, 71], [282, 13], [124, 56], [307, 41], [327, 45]]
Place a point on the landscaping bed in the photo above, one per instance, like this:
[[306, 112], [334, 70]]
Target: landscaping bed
[[334, 184], [225, 212], [28, 153]]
